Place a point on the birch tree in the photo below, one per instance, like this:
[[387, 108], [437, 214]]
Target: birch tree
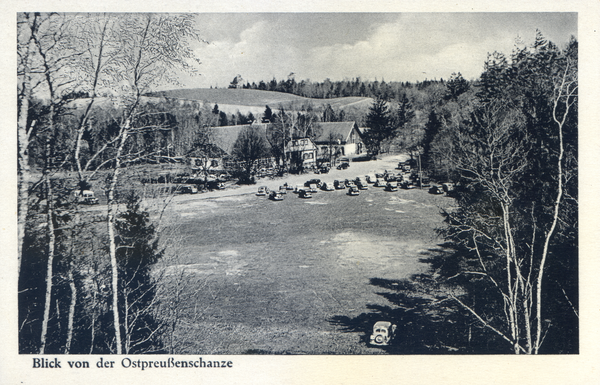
[[150, 47], [513, 225], [117, 56]]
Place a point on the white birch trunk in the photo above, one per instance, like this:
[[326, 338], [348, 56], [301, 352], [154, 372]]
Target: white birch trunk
[[51, 247], [111, 239]]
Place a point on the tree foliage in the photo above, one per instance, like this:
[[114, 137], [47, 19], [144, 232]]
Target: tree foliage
[[517, 250], [89, 72], [380, 126], [249, 147]]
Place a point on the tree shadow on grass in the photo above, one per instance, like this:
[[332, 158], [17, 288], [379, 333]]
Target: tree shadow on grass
[[428, 321]]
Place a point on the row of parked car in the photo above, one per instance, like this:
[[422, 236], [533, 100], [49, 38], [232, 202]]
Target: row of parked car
[[388, 181]]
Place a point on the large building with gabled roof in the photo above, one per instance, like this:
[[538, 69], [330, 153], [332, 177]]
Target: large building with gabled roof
[[345, 137]]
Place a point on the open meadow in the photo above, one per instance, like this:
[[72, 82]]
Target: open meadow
[[270, 277]]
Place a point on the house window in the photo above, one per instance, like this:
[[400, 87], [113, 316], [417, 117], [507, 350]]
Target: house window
[[308, 155]]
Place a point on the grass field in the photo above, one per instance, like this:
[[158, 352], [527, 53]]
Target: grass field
[[272, 276], [244, 100]]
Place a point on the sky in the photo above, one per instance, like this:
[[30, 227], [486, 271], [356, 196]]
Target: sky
[[372, 46]]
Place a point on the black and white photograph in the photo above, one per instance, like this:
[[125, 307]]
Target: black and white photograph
[[200, 188]]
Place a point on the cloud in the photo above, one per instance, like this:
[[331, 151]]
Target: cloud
[[407, 47], [259, 54]]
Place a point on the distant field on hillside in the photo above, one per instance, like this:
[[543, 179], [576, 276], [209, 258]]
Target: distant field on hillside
[[256, 100]]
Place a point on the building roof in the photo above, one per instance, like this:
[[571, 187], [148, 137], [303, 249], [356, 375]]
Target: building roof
[[225, 136], [339, 130]]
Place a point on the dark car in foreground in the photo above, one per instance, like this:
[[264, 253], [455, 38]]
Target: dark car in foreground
[[383, 332]]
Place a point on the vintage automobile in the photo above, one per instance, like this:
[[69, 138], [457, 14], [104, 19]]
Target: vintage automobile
[[407, 185], [283, 189], [288, 186], [391, 186], [304, 194], [189, 189], [353, 191], [86, 197], [343, 166], [339, 184], [383, 332], [276, 196], [448, 187], [262, 191], [349, 183], [379, 183], [425, 182], [327, 186], [370, 178], [313, 188], [436, 190], [390, 177], [312, 181], [361, 185]]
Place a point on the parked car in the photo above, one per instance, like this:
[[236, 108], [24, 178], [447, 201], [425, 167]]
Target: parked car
[[362, 185], [436, 190], [391, 186], [425, 182], [323, 169], [339, 184], [379, 183], [190, 189], [383, 332], [353, 191], [349, 183], [288, 186], [86, 197], [407, 185], [283, 189], [370, 178], [343, 166], [312, 181], [313, 188], [262, 191], [448, 187], [389, 177], [298, 188], [327, 186], [304, 194], [276, 196]]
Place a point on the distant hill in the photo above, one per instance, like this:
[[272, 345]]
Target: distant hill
[[245, 100]]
